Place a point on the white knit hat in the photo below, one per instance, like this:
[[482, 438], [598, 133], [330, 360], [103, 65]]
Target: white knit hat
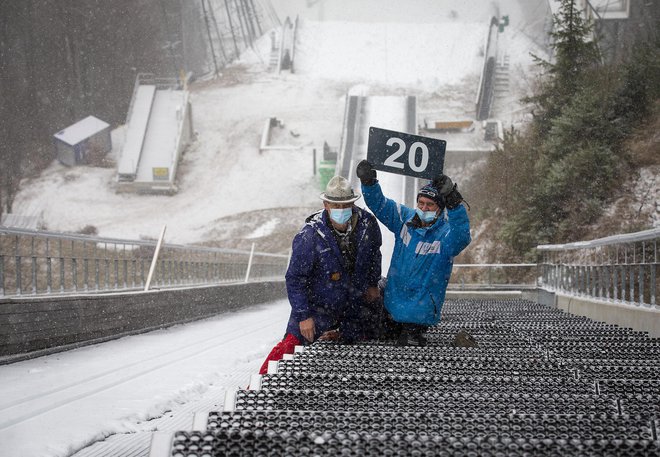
[[339, 190]]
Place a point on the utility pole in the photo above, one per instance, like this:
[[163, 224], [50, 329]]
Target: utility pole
[[217, 32], [231, 27], [208, 31], [256, 17], [240, 21], [170, 41], [248, 22]]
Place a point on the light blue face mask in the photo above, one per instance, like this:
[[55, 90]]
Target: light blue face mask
[[341, 215], [426, 216]]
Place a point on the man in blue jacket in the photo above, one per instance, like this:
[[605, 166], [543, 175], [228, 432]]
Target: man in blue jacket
[[426, 242], [332, 279]]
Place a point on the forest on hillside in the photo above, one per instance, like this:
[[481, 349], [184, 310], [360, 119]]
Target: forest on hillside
[[63, 60], [594, 131], [592, 137]]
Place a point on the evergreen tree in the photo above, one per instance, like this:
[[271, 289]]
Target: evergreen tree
[[574, 53], [571, 160], [640, 86]]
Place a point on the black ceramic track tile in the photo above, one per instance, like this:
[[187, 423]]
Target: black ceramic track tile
[[541, 382]]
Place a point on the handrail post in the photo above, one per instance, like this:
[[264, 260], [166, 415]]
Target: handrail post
[[2, 275], [249, 266], [154, 260], [179, 264], [34, 266]]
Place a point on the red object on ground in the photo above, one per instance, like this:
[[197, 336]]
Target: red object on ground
[[286, 346]]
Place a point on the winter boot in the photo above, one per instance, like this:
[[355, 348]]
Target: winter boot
[[420, 338], [412, 335], [402, 339], [464, 340], [390, 330]]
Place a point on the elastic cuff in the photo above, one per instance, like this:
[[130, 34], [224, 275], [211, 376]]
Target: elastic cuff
[[302, 316]]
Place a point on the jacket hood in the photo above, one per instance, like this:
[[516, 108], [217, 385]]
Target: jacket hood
[[315, 218]]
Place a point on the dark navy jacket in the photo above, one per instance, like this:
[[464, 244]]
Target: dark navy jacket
[[318, 282]]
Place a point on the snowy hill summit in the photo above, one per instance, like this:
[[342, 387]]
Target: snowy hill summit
[[229, 193]]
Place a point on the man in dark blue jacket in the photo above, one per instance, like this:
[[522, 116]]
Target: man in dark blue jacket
[[426, 242], [332, 279]]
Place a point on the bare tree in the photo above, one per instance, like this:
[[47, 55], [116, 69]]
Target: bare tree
[[62, 60]]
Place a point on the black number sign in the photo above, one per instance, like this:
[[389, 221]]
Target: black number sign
[[406, 154]]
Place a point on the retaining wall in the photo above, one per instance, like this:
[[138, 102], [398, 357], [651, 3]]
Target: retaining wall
[[636, 317], [34, 326]]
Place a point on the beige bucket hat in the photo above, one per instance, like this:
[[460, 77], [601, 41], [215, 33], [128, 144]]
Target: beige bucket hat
[[339, 190]]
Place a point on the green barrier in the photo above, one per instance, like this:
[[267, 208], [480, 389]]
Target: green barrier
[[326, 172]]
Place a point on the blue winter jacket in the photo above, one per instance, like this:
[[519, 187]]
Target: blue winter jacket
[[422, 259], [317, 280]]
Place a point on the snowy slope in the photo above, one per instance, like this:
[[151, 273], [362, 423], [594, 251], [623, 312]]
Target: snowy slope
[[224, 174], [57, 404]]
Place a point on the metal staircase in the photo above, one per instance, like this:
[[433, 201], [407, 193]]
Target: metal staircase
[[540, 382], [502, 82]]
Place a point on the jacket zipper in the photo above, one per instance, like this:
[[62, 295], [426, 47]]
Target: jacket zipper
[[435, 307]]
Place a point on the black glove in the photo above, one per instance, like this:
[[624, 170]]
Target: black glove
[[365, 171], [447, 189]]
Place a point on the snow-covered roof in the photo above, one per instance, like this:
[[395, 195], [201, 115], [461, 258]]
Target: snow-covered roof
[[81, 130]]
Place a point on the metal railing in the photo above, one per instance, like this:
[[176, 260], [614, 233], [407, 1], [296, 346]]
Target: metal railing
[[489, 276], [620, 268], [41, 263]]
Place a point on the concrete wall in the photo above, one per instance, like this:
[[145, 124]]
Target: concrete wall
[[631, 316], [640, 318], [619, 37], [33, 326]]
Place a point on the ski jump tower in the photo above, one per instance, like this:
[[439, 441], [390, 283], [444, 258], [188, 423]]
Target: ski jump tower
[[158, 129]]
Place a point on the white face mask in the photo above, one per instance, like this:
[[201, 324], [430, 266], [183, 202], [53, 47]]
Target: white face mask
[[426, 216], [341, 215]]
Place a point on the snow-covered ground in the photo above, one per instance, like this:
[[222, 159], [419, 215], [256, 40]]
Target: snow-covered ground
[[430, 49], [58, 404], [55, 405]]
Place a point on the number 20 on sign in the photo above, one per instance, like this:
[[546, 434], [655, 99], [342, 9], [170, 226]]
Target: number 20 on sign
[[406, 154]]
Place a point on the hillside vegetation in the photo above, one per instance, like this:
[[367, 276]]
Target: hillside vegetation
[[586, 165]]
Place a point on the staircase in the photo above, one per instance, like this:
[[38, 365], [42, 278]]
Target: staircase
[[502, 77], [541, 382], [274, 51]]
